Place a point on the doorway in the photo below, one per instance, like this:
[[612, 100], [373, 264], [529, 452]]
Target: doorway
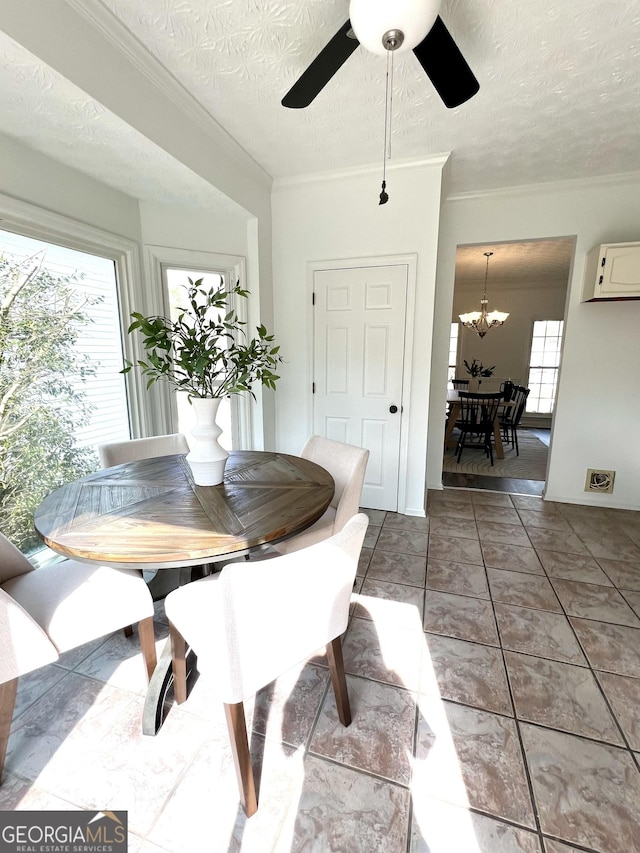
[[528, 280]]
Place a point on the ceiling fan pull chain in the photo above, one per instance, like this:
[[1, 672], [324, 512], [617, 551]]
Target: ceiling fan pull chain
[[384, 197], [390, 106]]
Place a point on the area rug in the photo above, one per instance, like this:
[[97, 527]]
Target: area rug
[[531, 464]]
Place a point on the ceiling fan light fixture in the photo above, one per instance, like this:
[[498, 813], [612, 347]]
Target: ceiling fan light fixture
[[374, 20]]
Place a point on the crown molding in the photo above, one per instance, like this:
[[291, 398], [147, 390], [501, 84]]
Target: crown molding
[[437, 160], [114, 31], [543, 187]]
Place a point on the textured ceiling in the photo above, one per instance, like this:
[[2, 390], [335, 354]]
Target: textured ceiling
[[511, 264], [559, 96], [53, 116]]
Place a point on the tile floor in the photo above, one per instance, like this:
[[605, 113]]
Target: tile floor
[[494, 672]]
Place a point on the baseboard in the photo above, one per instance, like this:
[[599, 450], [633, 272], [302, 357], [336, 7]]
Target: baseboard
[[589, 501], [416, 513], [535, 423]]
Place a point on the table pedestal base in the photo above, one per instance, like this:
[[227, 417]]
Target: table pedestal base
[[159, 698], [160, 691]]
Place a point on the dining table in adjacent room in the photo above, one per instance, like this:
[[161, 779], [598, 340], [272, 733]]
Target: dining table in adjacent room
[[453, 401], [150, 513]]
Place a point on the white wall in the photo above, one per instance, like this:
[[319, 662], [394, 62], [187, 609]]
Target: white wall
[[198, 229], [339, 217], [598, 401], [32, 177]]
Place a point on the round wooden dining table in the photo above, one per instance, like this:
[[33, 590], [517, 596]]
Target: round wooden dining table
[[150, 514]]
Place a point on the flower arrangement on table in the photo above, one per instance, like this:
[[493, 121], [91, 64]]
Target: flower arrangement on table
[[204, 351], [477, 368]]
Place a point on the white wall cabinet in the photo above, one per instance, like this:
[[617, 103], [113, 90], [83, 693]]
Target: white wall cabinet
[[612, 271]]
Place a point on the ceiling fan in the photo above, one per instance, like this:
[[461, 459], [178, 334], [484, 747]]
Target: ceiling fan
[[392, 25]]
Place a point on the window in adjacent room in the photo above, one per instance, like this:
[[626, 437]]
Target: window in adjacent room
[[453, 353], [544, 361]]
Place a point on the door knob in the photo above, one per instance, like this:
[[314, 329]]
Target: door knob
[[393, 409]]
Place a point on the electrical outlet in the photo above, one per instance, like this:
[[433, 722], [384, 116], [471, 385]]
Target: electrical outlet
[[599, 481]]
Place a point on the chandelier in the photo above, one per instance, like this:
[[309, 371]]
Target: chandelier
[[483, 320]]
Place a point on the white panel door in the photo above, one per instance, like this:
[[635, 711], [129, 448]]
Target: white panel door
[[359, 327]]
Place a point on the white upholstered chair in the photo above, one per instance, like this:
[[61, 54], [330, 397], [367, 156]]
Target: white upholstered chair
[[130, 450], [347, 465], [119, 452], [255, 620], [47, 611]]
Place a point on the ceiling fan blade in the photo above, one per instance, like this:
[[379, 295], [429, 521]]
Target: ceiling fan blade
[[322, 69], [446, 67]]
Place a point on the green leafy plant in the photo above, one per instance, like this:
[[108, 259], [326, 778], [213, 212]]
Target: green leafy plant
[[204, 350], [477, 368]]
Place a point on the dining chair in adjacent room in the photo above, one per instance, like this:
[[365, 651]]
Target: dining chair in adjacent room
[[347, 465], [507, 387], [476, 422], [57, 607], [510, 420], [119, 452], [254, 621], [458, 385]]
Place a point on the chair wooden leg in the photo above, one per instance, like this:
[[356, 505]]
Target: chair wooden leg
[[128, 631], [8, 692], [488, 445], [147, 639], [179, 664], [338, 680], [242, 757]]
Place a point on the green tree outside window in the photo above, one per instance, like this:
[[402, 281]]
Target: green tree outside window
[[40, 406]]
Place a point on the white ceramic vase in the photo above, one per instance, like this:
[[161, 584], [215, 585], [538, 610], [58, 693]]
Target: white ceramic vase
[[208, 458], [474, 384]]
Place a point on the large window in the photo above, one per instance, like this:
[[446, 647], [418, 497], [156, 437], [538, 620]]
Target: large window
[[171, 268], [61, 391], [544, 361]]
